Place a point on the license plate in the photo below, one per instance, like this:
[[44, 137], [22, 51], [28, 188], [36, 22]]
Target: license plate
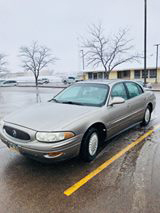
[[13, 147]]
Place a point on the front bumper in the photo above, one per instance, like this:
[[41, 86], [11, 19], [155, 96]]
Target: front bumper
[[42, 151]]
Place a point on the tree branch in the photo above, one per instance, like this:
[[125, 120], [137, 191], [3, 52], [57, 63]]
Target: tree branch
[[108, 52], [35, 58]]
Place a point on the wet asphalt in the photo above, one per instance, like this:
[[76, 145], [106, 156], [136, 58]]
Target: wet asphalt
[[130, 184]]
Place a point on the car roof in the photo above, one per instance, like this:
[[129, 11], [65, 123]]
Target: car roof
[[102, 81], [107, 82]]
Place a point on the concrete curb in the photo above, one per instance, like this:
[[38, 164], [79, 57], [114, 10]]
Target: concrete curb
[[155, 90]]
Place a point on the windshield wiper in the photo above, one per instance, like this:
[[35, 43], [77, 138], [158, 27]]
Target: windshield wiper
[[65, 102], [71, 102], [53, 99]]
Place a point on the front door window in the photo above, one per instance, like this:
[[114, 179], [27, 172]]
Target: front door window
[[119, 91]]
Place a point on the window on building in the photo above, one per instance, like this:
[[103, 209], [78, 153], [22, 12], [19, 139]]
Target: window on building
[[105, 75], [94, 75], [137, 74], [89, 75], [100, 76], [124, 74], [153, 73], [143, 73], [119, 74]]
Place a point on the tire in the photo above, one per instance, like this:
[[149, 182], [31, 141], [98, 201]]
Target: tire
[[90, 144], [147, 116]]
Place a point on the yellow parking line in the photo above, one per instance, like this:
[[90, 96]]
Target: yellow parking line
[[84, 180]]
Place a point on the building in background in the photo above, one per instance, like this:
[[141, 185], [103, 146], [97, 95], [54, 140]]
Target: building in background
[[153, 75]]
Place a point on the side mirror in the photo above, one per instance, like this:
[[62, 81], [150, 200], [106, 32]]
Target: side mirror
[[117, 100]]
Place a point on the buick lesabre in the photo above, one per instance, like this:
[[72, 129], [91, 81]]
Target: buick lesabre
[[77, 120]]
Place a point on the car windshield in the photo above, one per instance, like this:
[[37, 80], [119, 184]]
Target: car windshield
[[88, 94]]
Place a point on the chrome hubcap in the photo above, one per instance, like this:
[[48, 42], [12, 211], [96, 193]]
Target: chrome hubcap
[[147, 115], [93, 144]]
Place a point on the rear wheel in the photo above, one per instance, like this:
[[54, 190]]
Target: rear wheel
[[147, 116], [90, 144]]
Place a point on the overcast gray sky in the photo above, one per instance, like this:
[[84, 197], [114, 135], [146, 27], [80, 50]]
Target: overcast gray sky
[[58, 24]]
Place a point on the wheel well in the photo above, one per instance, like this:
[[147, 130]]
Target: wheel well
[[151, 106], [101, 129]]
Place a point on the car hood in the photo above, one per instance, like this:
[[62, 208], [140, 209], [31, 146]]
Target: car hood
[[48, 116]]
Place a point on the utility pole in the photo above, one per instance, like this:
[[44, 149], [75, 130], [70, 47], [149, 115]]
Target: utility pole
[[157, 47], [82, 52], [145, 42]]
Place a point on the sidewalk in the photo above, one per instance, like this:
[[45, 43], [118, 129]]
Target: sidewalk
[[156, 87]]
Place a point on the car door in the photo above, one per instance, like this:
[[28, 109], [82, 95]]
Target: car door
[[136, 101], [117, 114]]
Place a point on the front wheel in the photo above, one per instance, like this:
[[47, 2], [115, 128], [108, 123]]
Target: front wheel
[[90, 144], [147, 116]]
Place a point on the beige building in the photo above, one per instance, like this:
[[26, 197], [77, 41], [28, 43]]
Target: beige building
[[153, 75]]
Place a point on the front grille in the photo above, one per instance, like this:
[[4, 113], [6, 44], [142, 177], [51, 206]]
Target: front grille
[[15, 133]]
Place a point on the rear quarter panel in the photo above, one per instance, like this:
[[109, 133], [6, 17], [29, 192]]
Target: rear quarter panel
[[150, 98]]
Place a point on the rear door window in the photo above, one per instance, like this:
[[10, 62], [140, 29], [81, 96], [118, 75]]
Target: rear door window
[[133, 89]]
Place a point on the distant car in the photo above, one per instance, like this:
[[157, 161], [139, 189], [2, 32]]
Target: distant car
[[77, 120], [1, 81], [8, 83], [78, 79], [147, 85], [69, 80], [43, 81], [40, 81]]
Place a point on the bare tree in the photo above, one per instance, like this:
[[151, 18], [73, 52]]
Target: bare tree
[[108, 52], [3, 64], [35, 58]]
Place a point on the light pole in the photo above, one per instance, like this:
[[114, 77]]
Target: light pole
[[82, 52], [157, 46], [145, 42]]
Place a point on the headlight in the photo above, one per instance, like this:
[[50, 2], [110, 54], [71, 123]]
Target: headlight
[[53, 136]]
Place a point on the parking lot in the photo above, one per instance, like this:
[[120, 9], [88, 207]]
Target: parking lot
[[123, 178]]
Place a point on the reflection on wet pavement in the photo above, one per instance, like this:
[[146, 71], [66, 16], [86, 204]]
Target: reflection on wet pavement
[[12, 99]]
